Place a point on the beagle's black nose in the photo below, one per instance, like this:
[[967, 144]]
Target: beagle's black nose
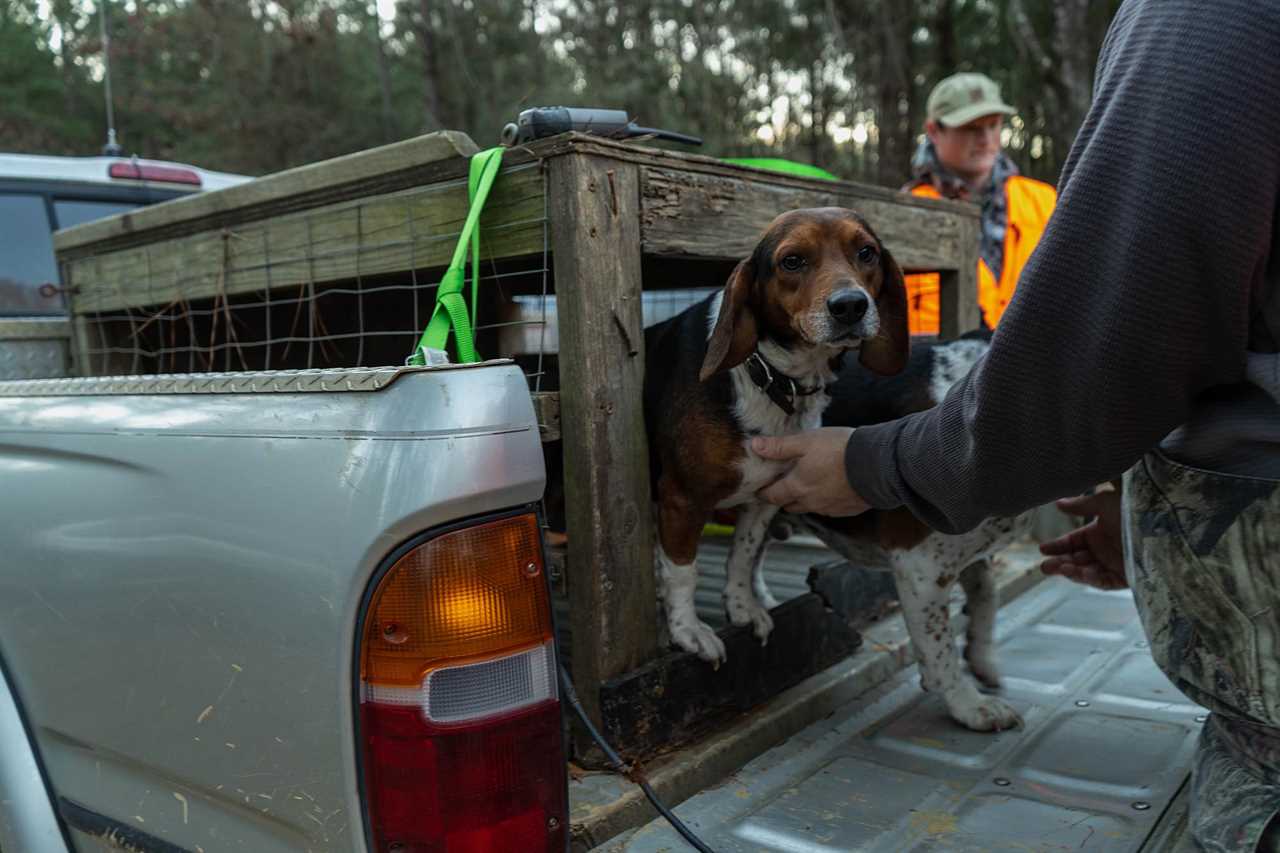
[[848, 306]]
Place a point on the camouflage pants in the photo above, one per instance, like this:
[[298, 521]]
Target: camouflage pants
[[1203, 559]]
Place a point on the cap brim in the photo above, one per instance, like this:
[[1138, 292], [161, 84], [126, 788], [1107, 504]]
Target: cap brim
[[955, 118]]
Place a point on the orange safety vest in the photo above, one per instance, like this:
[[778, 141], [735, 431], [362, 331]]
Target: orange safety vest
[[1030, 202]]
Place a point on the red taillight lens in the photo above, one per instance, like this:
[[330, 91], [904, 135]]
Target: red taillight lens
[[144, 172], [491, 787], [460, 714]]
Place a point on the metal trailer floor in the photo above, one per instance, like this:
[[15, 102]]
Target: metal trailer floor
[[1102, 758]]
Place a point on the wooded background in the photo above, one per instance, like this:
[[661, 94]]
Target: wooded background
[[256, 86]]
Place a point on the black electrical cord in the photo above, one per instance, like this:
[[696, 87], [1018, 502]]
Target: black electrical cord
[[618, 764]]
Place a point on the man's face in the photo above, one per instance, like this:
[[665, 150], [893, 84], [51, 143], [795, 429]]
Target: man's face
[[969, 150]]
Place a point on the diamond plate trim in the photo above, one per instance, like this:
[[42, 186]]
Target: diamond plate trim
[[35, 358], [264, 382]]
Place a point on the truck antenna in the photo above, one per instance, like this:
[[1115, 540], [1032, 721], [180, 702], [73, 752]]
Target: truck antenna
[[112, 148]]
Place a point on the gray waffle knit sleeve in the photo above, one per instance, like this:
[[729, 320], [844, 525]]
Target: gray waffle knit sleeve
[[1136, 303]]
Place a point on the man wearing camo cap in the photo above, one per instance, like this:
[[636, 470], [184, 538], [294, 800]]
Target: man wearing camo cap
[[961, 158]]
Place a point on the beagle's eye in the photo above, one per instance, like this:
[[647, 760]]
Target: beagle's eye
[[792, 263], [867, 254]]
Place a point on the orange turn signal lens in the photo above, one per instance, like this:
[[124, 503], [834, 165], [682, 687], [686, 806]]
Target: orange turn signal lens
[[466, 594]]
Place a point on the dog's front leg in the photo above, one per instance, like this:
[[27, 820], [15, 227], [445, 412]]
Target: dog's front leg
[[680, 525], [981, 603], [746, 563], [926, 609]]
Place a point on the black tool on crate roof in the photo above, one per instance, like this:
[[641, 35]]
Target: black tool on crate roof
[[541, 122]]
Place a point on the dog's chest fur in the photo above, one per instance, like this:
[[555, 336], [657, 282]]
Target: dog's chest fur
[[756, 414]]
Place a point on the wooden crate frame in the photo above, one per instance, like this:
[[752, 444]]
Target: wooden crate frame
[[611, 206]]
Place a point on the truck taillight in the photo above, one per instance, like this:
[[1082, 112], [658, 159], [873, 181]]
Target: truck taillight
[[460, 715]]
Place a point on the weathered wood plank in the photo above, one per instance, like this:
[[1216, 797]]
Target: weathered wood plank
[[594, 205], [721, 216], [80, 347], [88, 343], [634, 152], [958, 310], [377, 170], [387, 233], [546, 405], [34, 328]]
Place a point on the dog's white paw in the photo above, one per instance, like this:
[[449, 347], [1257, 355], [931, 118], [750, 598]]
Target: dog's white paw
[[745, 610], [982, 664], [696, 637], [980, 712]]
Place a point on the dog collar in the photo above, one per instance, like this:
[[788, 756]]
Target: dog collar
[[781, 388]]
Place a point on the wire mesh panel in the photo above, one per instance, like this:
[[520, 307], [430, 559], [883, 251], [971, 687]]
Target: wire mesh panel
[[346, 285]]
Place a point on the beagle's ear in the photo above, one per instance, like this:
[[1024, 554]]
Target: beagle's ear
[[887, 352], [735, 334]]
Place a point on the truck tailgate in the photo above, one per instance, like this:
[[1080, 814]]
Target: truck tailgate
[[184, 561]]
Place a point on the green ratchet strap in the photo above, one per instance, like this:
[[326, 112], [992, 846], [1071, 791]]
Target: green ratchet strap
[[790, 167], [451, 307]]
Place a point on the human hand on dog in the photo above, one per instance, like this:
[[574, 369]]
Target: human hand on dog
[[816, 481], [1093, 554]]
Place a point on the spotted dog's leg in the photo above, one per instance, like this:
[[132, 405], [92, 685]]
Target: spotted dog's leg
[[745, 570], [924, 596], [758, 584], [981, 602], [761, 588], [679, 526]]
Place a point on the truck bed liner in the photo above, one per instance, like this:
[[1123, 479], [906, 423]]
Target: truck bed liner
[[1105, 751]]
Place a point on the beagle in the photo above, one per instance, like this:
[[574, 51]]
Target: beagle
[[926, 564], [756, 358]]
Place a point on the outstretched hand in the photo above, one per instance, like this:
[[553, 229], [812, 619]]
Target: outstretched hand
[[816, 481], [1093, 554]]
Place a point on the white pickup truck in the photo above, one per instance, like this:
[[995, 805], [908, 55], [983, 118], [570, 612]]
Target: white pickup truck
[[284, 610], [309, 610], [301, 611], [277, 612]]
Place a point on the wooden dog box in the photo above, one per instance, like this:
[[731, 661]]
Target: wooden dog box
[[335, 264]]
